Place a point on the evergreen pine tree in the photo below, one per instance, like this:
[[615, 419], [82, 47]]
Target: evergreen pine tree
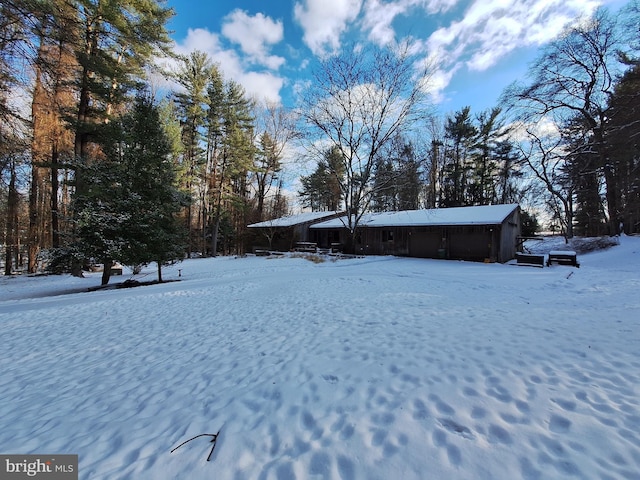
[[460, 134], [155, 233], [128, 209]]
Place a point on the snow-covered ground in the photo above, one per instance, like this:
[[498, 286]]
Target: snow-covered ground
[[369, 368]]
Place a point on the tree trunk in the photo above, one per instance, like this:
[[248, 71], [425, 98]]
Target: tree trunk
[[55, 224], [204, 213], [35, 212], [433, 174], [218, 211], [159, 271], [189, 224], [613, 200], [39, 146], [106, 271], [214, 234], [11, 237], [81, 142]]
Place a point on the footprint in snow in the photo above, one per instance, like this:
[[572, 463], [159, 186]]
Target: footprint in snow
[[456, 428], [559, 424], [330, 379]]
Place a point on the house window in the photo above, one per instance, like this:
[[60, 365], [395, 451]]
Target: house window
[[387, 235]]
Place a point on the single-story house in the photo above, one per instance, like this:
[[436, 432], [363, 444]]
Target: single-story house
[[482, 233], [283, 233]]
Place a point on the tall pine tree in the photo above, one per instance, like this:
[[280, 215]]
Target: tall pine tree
[[155, 232], [128, 208]]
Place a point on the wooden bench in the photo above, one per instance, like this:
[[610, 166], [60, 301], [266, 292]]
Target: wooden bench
[[530, 259], [309, 247], [116, 269], [563, 257]]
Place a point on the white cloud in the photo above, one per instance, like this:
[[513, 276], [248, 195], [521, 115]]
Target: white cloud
[[492, 29], [544, 129], [324, 21], [379, 16], [438, 82], [199, 39], [476, 40], [437, 6], [261, 85], [255, 34], [495, 43]]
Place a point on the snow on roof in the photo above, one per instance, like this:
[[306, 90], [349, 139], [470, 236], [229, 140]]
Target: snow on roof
[[293, 220], [481, 215]]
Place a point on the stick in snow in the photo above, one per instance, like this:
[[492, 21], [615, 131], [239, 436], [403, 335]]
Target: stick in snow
[[214, 440]]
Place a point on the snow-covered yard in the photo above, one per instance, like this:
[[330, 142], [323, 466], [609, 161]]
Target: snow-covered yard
[[369, 368]]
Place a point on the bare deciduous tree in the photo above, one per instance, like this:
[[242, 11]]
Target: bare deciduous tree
[[544, 155], [359, 100], [276, 127], [573, 78]]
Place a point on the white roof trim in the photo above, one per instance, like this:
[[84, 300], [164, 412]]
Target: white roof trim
[[292, 220], [480, 215]]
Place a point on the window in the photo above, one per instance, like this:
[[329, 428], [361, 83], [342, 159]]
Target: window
[[387, 235]]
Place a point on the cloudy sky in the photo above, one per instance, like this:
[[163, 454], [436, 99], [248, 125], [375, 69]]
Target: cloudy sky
[[480, 46]]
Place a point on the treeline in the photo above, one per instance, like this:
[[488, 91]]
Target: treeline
[[96, 167], [461, 160], [580, 120]]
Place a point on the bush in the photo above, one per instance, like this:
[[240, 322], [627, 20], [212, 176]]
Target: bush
[[309, 256], [63, 259], [592, 244], [530, 225]]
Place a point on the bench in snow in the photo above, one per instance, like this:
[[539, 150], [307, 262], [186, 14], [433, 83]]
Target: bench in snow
[[530, 259], [563, 257], [309, 247]]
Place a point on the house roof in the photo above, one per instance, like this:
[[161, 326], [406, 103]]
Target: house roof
[[480, 215], [292, 220]]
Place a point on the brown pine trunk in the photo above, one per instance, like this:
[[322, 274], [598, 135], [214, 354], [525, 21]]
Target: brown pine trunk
[[38, 148], [35, 214], [613, 200], [53, 94], [81, 144], [55, 224], [106, 271], [11, 236], [218, 212]]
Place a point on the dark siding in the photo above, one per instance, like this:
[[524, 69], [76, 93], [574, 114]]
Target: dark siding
[[470, 243], [494, 243], [510, 230], [425, 243]]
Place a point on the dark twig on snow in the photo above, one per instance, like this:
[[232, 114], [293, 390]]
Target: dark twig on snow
[[214, 439]]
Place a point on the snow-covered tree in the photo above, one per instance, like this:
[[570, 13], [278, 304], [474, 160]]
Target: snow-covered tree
[[128, 208]]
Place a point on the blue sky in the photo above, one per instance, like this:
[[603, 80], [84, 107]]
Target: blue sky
[[478, 46]]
